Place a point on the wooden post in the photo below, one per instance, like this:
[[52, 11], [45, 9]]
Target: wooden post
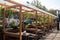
[[48, 21], [44, 20], [4, 23], [40, 18], [36, 24], [42, 14], [48, 25], [36, 17], [20, 17], [51, 22], [51, 19], [23, 21]]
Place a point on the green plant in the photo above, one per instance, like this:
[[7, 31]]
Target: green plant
[[0, 11], [13, 24]]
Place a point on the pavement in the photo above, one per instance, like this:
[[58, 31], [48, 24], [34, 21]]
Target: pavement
[[55, 35]]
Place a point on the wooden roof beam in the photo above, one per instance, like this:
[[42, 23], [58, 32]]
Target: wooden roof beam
[[13, 7], [17, 4], [3, 5]]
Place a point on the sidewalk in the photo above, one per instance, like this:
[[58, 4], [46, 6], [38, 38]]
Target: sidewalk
[[55, 35]]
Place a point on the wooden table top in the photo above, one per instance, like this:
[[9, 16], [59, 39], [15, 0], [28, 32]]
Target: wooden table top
[[17, 34], [33, 29]]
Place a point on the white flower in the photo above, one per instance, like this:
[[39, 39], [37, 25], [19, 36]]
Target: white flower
[[16, 22]]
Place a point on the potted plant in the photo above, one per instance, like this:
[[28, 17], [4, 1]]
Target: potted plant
[[14, 25]]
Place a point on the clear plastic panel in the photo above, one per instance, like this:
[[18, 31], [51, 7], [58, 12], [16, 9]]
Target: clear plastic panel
[[31, 6], [7, 3]]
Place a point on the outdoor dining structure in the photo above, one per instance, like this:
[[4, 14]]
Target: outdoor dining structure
[[29, 21]]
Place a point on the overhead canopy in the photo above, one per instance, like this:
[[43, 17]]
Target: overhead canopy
[[26, 6]]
